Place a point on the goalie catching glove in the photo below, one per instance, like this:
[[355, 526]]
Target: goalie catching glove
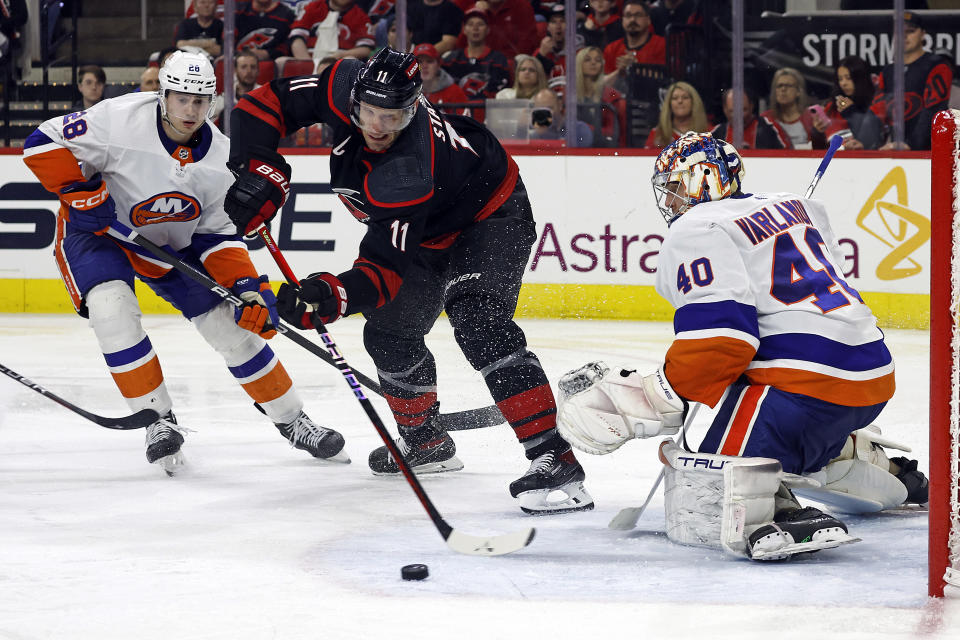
[[321, 298], [600, 409], [261, 188], [258, 313], [89, 206]]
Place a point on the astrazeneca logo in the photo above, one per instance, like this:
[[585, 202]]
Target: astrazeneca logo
[[888, 218]]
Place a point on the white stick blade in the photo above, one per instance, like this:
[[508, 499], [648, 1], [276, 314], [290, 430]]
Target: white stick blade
[[489, 546], [626, 519]]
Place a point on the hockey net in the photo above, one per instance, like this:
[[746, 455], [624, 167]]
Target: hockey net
[[944, 549]]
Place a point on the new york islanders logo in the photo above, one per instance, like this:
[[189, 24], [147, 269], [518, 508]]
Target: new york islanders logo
[[171, 206]]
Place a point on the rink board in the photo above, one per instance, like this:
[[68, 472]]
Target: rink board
[[598, 232]]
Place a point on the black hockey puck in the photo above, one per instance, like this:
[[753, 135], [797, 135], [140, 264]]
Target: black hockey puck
[[414, 572]]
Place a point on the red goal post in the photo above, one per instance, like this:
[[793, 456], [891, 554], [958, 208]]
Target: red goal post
[[944, 530]]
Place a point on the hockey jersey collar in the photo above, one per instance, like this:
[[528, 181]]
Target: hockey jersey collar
[[199, 144]]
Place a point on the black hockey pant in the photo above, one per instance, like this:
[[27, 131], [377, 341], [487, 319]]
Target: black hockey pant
[[477, 282]]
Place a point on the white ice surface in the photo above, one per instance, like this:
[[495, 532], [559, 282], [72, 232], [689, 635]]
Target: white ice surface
[[260, 541]]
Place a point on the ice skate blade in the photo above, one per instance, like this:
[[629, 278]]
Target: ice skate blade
[[172, 464], [830, 540], [536, 502], [340, 458], [453, 464]]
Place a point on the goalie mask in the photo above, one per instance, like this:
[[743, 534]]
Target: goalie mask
[[696, 168], [190, 74]]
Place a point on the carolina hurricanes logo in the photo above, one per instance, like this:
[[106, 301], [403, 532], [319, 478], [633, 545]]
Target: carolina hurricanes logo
[[171, 206], [473, 84], [257, 39]]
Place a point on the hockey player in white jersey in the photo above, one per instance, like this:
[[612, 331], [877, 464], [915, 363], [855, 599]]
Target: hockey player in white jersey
[[153, 162], [766, 327]]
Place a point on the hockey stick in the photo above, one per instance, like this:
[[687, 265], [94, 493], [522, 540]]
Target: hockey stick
[[456, 540], [627, 518], [138, 420], [460, 421], [835, 142], [456, 421]]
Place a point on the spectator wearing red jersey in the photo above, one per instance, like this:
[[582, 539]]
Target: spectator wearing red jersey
[[682, 110], [354, 31], [480, 70], [602, 26], [513, 25], [263, 26], [552, 52], [640, 45], [438, 85], [758, 133]]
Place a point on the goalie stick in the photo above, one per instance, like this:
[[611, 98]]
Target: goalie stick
[[456, 540], [138, 420], [627, 518], [471, 419]]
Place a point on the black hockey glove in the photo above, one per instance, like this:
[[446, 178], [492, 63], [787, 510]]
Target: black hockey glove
[[321, 298], [261, 188]]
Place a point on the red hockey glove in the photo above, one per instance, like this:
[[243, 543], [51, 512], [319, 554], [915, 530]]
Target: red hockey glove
[[261, 188], [90, 207], [259, 311], [321, 298]]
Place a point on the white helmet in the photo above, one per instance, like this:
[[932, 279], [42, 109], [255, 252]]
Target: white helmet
[[188, 72]]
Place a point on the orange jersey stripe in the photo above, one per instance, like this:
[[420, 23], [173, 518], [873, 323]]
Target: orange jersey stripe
[[847, 393], [229, 264], [62, 265], [702, 369], [740, 425], [140, 381], [269, 387], [55, 169]]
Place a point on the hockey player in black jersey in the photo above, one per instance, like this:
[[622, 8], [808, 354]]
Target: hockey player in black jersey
[[449, 228]]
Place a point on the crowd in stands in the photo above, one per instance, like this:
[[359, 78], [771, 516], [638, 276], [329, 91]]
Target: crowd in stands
[[472, 51]]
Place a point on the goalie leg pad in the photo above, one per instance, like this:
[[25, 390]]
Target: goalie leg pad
[[717, 501], [856, 486]]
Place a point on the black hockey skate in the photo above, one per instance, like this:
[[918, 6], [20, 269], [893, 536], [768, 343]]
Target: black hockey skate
[[320, 442], [796, 531], [918, 487], [163, 442], [549, 473], [427, 449]]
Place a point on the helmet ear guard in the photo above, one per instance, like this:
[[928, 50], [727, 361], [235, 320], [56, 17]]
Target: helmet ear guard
[[696, 168]]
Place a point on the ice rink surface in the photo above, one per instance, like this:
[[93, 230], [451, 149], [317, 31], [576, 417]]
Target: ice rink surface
[[259, 541]]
